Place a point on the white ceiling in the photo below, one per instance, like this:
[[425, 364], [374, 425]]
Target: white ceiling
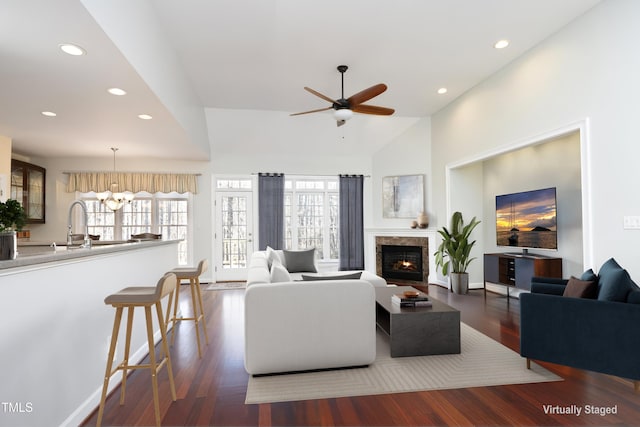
[[243, 55]]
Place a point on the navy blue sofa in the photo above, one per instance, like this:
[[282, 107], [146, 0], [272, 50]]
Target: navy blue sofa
[[596, 329]]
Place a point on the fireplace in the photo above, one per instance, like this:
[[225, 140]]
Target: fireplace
[[403, 260]]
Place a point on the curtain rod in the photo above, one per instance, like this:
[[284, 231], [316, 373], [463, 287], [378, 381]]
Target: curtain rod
[[311, 175], [159, 173]]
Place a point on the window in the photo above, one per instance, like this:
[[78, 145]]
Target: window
[[311, 215], [137, 217], [174, 224], [166, 214], [233, 184], [101, 220], [234, 231]]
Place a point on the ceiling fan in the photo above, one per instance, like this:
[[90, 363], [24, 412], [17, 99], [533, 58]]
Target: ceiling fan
[[344, 108]]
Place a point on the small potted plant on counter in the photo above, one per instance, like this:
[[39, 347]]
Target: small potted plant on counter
[[12, 219], [453, 254]]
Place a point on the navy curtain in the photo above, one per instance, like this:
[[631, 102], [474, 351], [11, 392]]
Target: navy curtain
[[271, 210], [351, 223]]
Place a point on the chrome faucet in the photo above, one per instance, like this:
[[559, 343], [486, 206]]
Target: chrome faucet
[[87, 240]]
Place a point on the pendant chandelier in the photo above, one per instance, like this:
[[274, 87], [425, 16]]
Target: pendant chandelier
[[114, 199]]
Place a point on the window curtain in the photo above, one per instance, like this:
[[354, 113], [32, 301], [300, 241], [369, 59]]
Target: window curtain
[[351, 223], [85, 182], [271, 210]]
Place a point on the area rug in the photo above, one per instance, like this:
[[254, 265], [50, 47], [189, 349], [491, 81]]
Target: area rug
[[483, 362], [221, 286]]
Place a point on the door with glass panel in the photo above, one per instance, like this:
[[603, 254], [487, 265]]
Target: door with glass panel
[[234, 235]]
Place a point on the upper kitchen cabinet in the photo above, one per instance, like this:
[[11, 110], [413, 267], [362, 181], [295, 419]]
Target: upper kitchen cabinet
[[27, 187]]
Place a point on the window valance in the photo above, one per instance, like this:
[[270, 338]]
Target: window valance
[[133, 181]]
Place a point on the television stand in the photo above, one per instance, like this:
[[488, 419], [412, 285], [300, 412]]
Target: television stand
[[514, 270]]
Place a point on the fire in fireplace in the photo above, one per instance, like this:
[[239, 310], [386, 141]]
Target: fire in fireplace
[[401, 262]]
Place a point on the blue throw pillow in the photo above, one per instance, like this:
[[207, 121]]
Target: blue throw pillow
[[609, 267], [614, 282], [589, 276]]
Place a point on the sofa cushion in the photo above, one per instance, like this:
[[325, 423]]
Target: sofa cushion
[[300, 261], [279, 273], [590, 276], [634, 296], [577, 288], [336, 276], [614, 282]]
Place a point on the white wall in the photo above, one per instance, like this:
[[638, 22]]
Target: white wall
[[468, 199], [408, 154], [587, 72]]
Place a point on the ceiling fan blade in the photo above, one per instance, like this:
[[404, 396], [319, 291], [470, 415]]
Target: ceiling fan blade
[[312, 111], [372, 109], [367, 94], [318, 94]]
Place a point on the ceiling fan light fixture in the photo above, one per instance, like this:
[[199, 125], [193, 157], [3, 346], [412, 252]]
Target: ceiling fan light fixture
[[343, 114]]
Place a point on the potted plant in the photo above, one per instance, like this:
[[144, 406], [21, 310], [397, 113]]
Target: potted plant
[[12, 218], [453, 254]]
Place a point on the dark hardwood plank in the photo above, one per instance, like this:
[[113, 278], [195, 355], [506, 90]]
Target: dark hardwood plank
[[211, 390]]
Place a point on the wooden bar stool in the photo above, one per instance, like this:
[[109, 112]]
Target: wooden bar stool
[[131, 298], [193, 275]]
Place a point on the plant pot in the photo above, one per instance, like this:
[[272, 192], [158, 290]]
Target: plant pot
[[8, 245], [459, 282]]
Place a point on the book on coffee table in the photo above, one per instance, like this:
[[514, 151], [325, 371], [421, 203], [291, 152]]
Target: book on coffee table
[[421, 300]]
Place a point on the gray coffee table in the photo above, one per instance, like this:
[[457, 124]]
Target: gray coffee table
[[417, 331]]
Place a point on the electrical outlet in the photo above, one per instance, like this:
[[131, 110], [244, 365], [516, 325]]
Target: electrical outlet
[[631, 222]]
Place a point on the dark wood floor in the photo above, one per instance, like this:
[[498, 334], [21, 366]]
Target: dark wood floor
[[211, 390]]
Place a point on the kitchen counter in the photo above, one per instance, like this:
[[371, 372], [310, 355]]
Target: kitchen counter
[[32, 253], [60, 327]]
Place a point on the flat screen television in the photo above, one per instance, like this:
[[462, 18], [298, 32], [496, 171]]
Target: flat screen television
[[527, 220]]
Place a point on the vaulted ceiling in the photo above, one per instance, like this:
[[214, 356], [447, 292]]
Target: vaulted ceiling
[[209, 69]]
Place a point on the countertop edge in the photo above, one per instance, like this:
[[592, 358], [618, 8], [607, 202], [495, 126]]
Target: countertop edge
[[70, 254]]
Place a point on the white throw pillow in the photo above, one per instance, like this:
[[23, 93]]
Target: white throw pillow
[[272, 255], [279, 273]]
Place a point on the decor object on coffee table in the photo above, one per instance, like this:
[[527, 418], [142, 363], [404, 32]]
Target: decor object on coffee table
[[453, 254]]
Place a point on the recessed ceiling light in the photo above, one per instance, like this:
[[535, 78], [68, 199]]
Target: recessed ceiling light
[[116, 91], [442, 90], [501, 44], [48, 113], [145, 117], [72, 49]]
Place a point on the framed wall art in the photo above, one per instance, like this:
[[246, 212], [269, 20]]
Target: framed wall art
[[402, 196]]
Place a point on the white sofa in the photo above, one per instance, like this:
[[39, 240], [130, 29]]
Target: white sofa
[[304, 325]]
